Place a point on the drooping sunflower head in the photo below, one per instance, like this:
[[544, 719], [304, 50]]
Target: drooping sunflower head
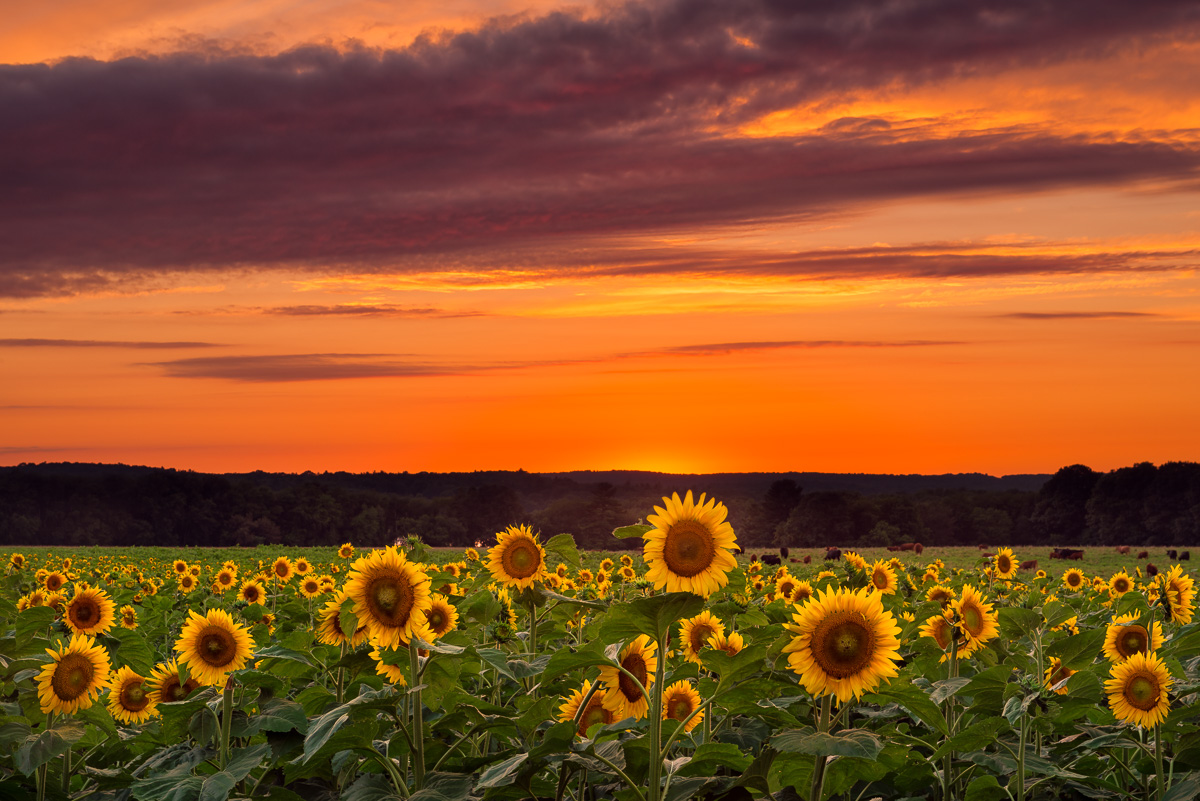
[[1073, 578], [626, 560], [252, 592], [17, 561], [691, 546], [731, 643], [282, 569], [517, 559], [346, 551], [1137, 690], [1126, 637], [90, 612], [73, 680], [883, 578], [194, 570], [129, 697], [128, 617], [441, 618], [1057, 672], [696, 633], [471, 555], [585, 576], [1004, 564], [975, 615], [679, 701], [1119, 584], [855, 560], [845, 643], [213, 645], [802, 593], [390, 596], [606, 565], [593, 714], [623, 697], [388, 665], [1179, 595]]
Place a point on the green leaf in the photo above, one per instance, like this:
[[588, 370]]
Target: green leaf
[[636, 530], [371, 787], [710, 756], [576, 601], [1016, 622], [1056, 613], [985, 788], [651, 616], [444, 787], [216, 787], [347, 620], [279, 714], [849, 743], [279, 652], [131, 649], [502, 773], [1184, 789], [1080, 650], [168, 787], [563, 547], [38, 749], [33, 621], [947, 687], [566, 660], [914, 700]]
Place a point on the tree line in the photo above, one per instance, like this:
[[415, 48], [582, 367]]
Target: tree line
[[119, 505]]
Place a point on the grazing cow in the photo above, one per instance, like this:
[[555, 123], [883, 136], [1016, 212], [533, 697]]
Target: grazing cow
[[918, 548], [1075, 555], [1185, 556], [793, 559], [833, 554], [770, 559], [753, 557], [1143, 555], [1029, 564], [783, 552], [1172, 555], [908, 546], [807, 559], [1123, 550], [1066, 553], [895, 548], [1151, 570], [983, 547]]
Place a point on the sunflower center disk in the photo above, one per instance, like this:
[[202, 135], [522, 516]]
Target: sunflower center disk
[[1132, 641], [700, 636], [1142, 692], [85, 612], [217, 647], [134, 697], [843, 645], [72, 677], [689, 548], [637, 666], [390, 600], [679, 709], [522, 560], [973, 619], [436, 620]]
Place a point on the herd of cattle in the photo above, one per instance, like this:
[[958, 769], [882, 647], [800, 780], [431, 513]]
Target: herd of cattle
[[834, 554]]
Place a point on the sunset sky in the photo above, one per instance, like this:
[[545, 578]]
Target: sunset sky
[[678, 235]]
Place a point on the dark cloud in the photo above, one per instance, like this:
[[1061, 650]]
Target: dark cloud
[[1076, 315], [338, 366], [523, 135], [101, 343]]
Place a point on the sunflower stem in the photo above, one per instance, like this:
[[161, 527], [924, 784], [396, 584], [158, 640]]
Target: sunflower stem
[[818, 776], [226, 722], [951, 672], [1159, 777], [418, 727], [66, 775], [1023, 735], [656, 761]]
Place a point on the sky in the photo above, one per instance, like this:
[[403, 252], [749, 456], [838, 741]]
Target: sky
[[680, 235]]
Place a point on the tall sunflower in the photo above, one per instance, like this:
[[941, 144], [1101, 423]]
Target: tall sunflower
[[975, 615], [593, 714], [679, 701], [225, 579], [74, 679], [785, 585], [329, 624], [213, 645], [390, 594], [1125, 637], [802, 593], [129, 698], [281, 569], [1073, 578], [883, 578], [731, 643], [1179, 596], [54, 581], [252, 592], [1119, 584], [943, 595], [346, 551], [1137, 691], [128, 617], [517, 559], [845, 643], [302, 567], [1004, 564], [180, 567], [622, 696], [696, 632], [940, 629], [690, 547], [310, 587], [441, 617], [90, 612]]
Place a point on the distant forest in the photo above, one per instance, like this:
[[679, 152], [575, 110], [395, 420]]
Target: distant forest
[[95, 504]]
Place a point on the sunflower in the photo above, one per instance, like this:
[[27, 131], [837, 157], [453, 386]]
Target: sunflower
[[90, 612], [1004, 564], [626, 560], [1073, 578], [623, 697], [690, 547], [390, 595], [393, 673], [1137, 691], [1119, 584], [74, 679], [302, 566], [731, 643], [696, 632], [883, 578], [593, 714], [517, 559], [187, 583], [310, 587], [54, 581], [179, 566], [129, 697], [1125, 638], [1179, 597], [854, 559], [213, 645], [225, 579], [329, 624], [845, 643], [585, 576], [679, 701], [943, 595], [471, 555], [1056, 673], [802, 593], [441, 617], [17, 561], [627, 573], [606, 565], [785, 585], [195, 570], [128, 617], [281, 569], [975, 615]]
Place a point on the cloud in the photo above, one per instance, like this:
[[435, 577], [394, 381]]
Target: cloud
[[341, 366], [1076, 315], [352, 310], [528, 134], [101, 343]]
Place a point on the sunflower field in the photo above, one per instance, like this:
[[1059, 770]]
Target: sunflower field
[[529, 670]]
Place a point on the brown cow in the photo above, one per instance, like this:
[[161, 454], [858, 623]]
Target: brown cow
[[807, 559], [983, 547], [1123, 550], [1151, 570], [1075, 555], [1185, 556], [918, 548], [833, 554], [1171, 554], [1029, 564], [1143, 555], [895, 547]]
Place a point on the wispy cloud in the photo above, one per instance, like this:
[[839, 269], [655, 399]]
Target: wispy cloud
[[527, 134], [1076, 315], [102, 343], [352, 310]]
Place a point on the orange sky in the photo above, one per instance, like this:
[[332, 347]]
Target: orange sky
[[548, 261]]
